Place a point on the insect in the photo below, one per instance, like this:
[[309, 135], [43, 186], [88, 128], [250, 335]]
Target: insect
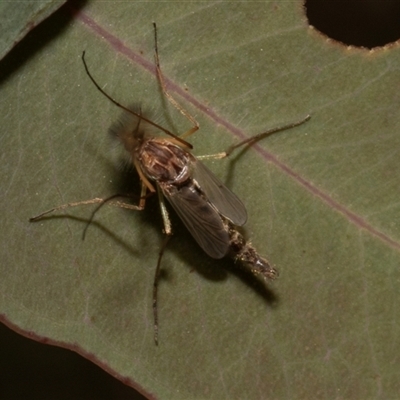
[[210, 211]]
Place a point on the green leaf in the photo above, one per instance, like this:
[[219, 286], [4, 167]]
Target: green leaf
[[322, 201], [20, 17]]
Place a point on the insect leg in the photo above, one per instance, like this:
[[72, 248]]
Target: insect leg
[[100, 202], [168, 233], [254, 139], [96, 200], [140, 207], [160, 76]]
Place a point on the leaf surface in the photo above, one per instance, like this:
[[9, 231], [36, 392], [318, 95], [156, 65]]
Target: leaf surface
[[322, 201]]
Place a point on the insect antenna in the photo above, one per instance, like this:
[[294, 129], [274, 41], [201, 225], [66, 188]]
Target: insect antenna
[[179, 139]]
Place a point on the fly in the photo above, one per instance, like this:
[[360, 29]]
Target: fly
[[210, 211]]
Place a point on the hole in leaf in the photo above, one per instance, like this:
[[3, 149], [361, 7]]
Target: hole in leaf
[[362, 23]]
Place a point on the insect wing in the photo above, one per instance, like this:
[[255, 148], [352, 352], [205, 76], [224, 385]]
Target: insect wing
[[201, 219], [224, 200]]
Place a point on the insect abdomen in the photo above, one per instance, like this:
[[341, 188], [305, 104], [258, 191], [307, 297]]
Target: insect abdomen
[[248, 255]]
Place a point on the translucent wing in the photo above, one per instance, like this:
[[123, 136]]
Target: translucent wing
[[224, 200], [201, 219]]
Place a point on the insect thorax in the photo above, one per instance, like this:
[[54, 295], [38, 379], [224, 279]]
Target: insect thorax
[[164, 161]]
